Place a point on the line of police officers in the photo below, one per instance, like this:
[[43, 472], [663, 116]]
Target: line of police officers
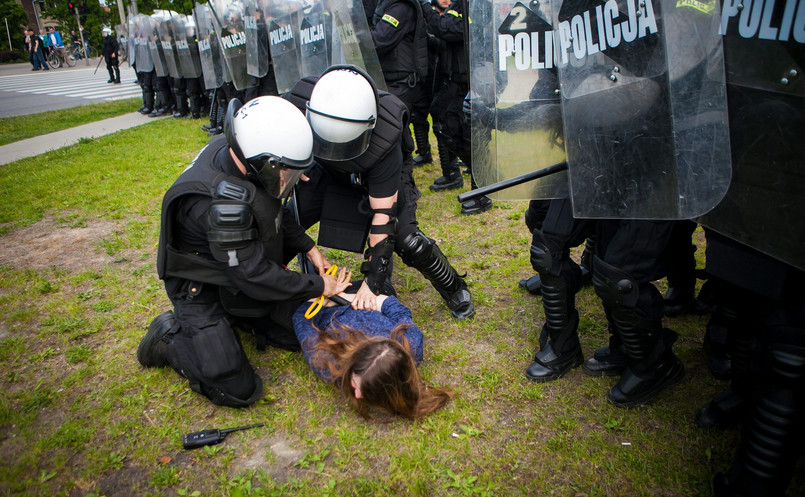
[[361, 141]]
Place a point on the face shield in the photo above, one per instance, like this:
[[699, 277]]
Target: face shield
[[277, 175], [339, 138]]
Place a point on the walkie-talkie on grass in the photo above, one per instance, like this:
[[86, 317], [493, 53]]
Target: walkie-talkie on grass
[[210, 437]]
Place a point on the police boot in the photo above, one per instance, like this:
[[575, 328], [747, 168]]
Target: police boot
[[181, 104], [560, 350], [162, 107], [148, 103], [213, 116], [726, 410], [636, 314], [451, 175], [422, 143], [195, 112], [422, 253], [478, 205], [153, 349], [716, 340], [772, 434], [117, 74], [532, 285], [609, 360]]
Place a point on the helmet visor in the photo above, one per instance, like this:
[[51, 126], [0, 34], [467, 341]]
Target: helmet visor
[[338, 138], [275, 175]]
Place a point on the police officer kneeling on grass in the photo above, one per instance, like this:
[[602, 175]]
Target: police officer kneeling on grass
[[223, 242]]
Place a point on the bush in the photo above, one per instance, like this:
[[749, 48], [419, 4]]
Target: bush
[[7, 56]]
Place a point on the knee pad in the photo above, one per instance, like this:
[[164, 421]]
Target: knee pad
[[213, 361], [615, 287], [541, 258], [415, 247]]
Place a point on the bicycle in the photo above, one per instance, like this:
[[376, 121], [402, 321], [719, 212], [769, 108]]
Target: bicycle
[[57, 58], [80, 51]]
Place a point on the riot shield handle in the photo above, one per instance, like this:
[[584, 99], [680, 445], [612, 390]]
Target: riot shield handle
[[508, 183]]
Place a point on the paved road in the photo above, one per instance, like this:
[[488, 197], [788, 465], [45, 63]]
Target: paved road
[[23, 91]]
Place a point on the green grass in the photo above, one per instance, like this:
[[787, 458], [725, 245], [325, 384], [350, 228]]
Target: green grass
[[81, 417], [18, 128]]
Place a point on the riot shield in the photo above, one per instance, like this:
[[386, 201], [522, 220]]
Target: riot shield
[[644, 107], [516, 121], [282, 21], [315, 37], [184, 35], [142, 26], [228, 20], [155, 47], [256, 38], [765, 203], [210, 55], [165, 29], [354, 44], [131, 40]]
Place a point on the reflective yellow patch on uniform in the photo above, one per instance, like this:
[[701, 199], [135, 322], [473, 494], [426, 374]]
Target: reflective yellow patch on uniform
[[704, 7], [453, 13], [391, 20]]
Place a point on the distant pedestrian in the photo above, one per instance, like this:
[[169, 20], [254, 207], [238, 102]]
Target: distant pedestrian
[[45, 44], [34, 46], [56, 43]]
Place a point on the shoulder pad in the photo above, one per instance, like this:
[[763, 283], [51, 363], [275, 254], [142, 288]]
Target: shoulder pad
[[299, 95]]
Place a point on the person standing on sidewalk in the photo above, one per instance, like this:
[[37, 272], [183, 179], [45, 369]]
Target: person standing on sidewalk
[[56, 43], [34, 45]]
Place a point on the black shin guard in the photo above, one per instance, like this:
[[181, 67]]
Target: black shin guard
[[422, 253]]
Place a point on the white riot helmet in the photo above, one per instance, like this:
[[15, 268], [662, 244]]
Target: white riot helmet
[[342, 112], [272, 139], [107, 31]]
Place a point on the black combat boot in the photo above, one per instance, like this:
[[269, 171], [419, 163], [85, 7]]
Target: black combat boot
[[532, 285], [478, 205], [153, 349], [422, 143], [451, 174], [422, 253], [609, 360]]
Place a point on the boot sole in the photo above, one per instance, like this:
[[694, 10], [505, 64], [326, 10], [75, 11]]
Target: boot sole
[[667, 382], [441, 188]]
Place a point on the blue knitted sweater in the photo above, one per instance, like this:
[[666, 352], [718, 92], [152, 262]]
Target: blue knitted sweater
[[372, 323]]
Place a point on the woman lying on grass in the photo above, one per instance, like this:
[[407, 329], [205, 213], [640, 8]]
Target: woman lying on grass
[[369, 355]]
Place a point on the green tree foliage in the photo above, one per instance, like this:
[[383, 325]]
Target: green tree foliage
[[17, 20]]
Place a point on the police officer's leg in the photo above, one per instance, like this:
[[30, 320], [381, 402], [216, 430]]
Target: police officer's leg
[[534, 216], [681, 269], [611, 359], [451, 174], [560, 350], [772, 434], [199, 343], [116, 67], [147, 86], [631, 257], [194, 93], [110, 70], [422, 253], [180, 95]]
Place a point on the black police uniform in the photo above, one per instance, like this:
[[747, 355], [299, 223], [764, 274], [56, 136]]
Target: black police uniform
[[381, 171], [450, 88], [223, 243], [110, 47]]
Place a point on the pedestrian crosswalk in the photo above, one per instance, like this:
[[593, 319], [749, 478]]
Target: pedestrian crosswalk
[[75, 83]]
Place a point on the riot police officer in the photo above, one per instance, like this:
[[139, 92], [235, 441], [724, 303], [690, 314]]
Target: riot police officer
[[360, 145], [110, 55], [223, 243]]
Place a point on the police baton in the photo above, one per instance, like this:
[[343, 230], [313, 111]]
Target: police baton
[[100, 59], [508, 183]]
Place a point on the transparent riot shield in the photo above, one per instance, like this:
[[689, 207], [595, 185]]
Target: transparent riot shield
[[257, 61], [165, 28], [315, 37], [122, 35], [210, 55], [184, 35], [516, 121], [644, 107], [131, 40], [283, 24], [766, 94], [228, 20], [155, 48], [145, 63], [354, 41]]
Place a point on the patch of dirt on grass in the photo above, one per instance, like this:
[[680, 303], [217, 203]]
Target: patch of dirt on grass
[[47, 243], [128, 480]]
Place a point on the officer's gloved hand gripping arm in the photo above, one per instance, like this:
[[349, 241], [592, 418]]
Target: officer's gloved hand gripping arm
[[365, 299]]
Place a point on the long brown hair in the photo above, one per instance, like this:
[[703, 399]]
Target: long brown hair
[[389, 379]]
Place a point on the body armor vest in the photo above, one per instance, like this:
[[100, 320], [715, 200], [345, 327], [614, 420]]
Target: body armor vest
[[203, 177]]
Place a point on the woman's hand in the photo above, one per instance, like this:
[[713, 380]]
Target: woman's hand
[[334, 285]]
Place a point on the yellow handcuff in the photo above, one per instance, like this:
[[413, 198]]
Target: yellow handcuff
[[315, 307]]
